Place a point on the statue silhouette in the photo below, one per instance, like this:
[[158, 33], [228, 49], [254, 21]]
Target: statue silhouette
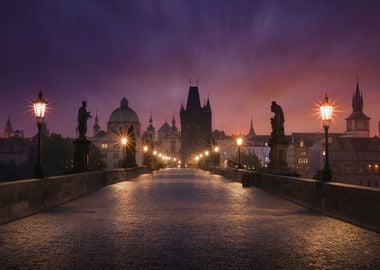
[[83, 116]]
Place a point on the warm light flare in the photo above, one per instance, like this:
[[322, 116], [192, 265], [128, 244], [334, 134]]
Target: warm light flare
[[124, 141], [39, 106], [239, 141], [145, 148], [326, 110]]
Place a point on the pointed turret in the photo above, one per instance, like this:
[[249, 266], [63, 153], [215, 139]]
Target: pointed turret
[[8, 130], [150, 119], [174, 128], [96, 126], [151, 127], [357, 99], [251, 132], [207, 107]]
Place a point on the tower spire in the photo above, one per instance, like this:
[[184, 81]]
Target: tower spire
[[357, 98], [96, 126], [251, 132], [150, 119]]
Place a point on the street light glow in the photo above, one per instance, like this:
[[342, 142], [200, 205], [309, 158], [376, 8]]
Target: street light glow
[[39, 105], [124, 141], [326, 109], [239, 141], [145, 148]]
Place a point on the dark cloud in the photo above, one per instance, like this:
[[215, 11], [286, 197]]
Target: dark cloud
[[245, 54]]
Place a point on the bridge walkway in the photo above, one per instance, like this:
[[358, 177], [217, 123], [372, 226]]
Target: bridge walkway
[[184, 219]]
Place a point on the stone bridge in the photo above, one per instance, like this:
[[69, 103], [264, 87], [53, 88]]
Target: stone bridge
[[184, 219]]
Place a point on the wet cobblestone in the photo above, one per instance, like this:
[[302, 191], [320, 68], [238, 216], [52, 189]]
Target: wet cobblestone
[[184, 219]]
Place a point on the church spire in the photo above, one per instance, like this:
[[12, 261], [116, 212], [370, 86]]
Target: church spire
[[251, 132], [357, 98], [174, 128], [8, 130], [150, 119], [96, 126]]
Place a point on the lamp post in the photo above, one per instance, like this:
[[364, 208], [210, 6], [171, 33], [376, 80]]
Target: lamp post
[[326, 109], [239, 142], [145, 154], [216, 159], [39, 105], [124, 142]]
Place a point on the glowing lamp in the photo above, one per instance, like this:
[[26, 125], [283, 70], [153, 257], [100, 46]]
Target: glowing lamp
[[39, 105], [124, 141], [326, 109]]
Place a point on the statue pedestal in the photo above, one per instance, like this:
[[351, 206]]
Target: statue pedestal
[[81, 155], [278, 164]]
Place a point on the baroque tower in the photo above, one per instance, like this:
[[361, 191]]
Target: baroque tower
[[195, 125], [357, 124]]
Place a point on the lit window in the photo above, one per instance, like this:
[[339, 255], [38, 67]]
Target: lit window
[[104, 146]]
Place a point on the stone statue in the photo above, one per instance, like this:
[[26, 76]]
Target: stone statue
[[83, 116], [277, 142], [131, 149], [277, 122]]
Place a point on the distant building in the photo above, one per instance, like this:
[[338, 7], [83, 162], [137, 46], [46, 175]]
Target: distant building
[[305, 154], [111, 150], [8, 131], [252, 144], [227, 147], [356, 160], [15, 149], [258, 145], [357, 122], [13, 146], [195, 125], [169, 139]]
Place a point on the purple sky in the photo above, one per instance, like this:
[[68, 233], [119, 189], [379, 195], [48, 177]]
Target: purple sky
[[244, 53]]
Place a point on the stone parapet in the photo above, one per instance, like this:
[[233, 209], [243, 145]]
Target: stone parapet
[[19, 199], [355, 204]]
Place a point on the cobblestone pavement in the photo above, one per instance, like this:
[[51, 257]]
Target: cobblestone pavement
[[184, 219]]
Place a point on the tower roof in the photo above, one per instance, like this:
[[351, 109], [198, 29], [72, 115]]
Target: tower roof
[[193, 100], [124, 113], [357, 105]]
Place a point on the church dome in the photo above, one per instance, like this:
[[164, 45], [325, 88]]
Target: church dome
[[124, 113]]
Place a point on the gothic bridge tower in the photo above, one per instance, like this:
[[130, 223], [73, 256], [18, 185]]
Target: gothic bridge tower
[[195, 125]]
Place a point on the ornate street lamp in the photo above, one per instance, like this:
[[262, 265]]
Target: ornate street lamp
[[39, 106], [326, 109], [124, 142], [239, 143], [145, 155]]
